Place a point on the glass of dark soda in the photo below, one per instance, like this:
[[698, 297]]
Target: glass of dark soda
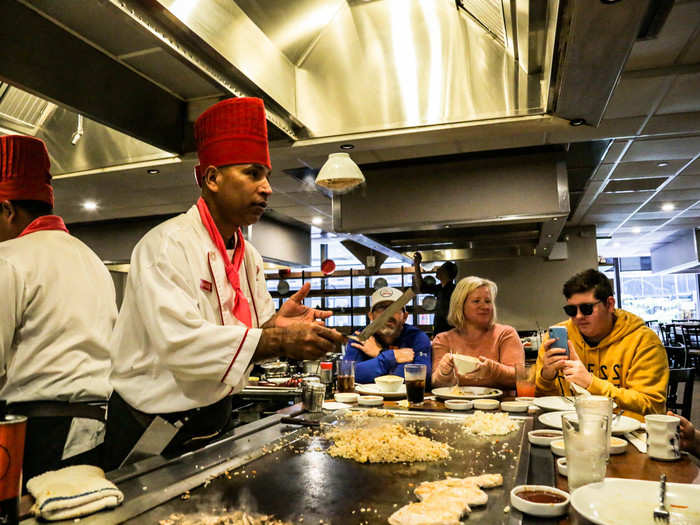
[[415, 382]]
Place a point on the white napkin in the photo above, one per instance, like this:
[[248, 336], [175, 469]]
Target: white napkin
[[72, 492]]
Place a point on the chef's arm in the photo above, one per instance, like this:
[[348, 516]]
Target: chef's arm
[[299, 341], [10, 308]]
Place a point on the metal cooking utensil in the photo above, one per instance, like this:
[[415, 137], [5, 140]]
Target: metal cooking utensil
[[660, 513], [153, 441], [387, 314]]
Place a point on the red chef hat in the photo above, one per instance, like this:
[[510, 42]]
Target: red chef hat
[[233, 131], [24, 169]]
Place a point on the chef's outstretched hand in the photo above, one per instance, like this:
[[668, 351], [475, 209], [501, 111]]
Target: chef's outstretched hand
[[302, 340], [293, 310]]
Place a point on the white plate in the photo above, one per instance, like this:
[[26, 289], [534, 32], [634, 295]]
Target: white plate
[[333, 405], [616, 501], [468, 392], [557, 403], [622, 424], [553, 403], [278, 380], [374, 390]]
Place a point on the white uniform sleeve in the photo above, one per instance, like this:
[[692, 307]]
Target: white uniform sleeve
[[10, 311], [191, 347]]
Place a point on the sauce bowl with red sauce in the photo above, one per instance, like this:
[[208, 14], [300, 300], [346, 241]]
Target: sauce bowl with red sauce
[[539, 500]]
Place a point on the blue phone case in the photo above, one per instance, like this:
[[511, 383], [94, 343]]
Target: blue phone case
[[559, 333]]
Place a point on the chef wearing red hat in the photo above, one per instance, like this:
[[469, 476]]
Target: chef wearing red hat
[[197, 313], [56, 316]]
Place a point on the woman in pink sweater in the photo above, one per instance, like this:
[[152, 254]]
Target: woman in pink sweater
[[498, 347]]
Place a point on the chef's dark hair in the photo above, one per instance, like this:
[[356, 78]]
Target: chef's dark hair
[[34, 208], [589, 280], [451, 269]]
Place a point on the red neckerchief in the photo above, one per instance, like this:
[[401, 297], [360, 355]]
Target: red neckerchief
[[241, 308], [45, 222]]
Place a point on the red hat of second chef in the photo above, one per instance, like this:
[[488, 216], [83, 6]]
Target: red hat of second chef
[[24, 169], [233, 131]]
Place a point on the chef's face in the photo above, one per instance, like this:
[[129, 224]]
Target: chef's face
[[241, 192], [599, 323], [393, 327], [478, 308]]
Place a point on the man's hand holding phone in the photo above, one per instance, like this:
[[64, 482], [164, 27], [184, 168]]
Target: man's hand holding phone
[[556, 352]]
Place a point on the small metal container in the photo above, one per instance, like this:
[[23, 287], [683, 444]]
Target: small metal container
[[312, 396]]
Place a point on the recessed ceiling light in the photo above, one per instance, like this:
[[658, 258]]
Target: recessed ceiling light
[[90, 205], [153, 171], [662, 164], [668, 206], [636, 231], [347, 147], [317, 220]]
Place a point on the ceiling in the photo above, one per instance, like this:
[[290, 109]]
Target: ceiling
[[649, 132]]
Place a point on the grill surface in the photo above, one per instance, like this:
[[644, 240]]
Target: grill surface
[[301, 480]]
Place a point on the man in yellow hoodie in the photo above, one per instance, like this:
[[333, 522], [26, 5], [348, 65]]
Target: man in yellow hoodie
[[613, 353]]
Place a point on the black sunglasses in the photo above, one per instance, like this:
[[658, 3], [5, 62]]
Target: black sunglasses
[[586, 308]]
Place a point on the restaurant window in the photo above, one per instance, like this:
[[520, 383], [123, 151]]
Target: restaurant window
[[663, 298]]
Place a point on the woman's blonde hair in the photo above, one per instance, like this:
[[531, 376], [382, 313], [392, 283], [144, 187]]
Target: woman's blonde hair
[[459, 297]]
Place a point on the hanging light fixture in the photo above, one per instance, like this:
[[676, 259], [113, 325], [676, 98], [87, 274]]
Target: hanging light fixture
[[339, 173]]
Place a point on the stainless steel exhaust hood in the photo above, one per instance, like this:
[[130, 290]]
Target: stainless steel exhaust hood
[[681, 255], [442, 195]]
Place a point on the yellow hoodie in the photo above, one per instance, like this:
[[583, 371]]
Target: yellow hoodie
[[629, 366]]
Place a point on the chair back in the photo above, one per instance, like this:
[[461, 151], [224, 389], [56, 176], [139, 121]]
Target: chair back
[[691, 336], [685, 376], [677, 356]]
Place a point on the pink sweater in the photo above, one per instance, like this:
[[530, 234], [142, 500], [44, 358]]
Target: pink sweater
[[500, 344]]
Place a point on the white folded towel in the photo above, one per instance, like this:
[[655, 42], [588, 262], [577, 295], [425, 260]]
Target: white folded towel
[[72, 492]]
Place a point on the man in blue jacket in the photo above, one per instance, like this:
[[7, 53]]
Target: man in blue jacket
[[393, 346]]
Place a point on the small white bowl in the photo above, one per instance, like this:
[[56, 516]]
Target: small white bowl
[[465, 363], [545, 510], [370, 401], [617, 445], [528, 400], [558, 447], [486, 404], [459, 404], [544, 437], [561, 467], [346, 397], [389, 383], [514, 406]]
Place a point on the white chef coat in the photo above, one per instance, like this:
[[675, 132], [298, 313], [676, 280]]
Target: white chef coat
[[57, 312], [176, 345]]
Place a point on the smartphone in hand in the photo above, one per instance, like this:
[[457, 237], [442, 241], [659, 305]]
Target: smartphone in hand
[[562, 338]]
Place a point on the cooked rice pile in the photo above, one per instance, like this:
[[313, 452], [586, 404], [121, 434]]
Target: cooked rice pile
[[489, 423], [387, 443], [237, 517]]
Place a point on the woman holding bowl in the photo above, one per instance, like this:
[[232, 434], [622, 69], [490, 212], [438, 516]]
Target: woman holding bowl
[[476, 333]]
